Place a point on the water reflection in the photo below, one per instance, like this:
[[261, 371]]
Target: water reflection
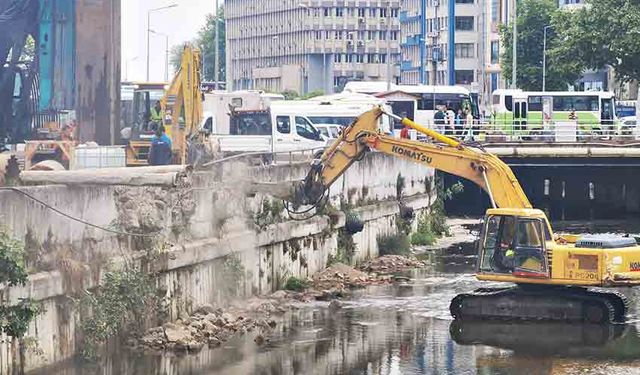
[[404, 329]]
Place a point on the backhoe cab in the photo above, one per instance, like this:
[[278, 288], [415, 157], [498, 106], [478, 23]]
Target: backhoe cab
[[514, 243], [517, 245]]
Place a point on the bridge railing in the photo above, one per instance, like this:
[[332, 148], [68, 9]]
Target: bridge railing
[[554, 132]]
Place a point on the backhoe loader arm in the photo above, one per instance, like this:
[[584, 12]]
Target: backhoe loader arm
[[182, 102], [484, 169]]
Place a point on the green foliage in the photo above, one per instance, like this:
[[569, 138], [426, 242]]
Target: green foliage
[[206, 42], [394, 244], [533, 16], [121, 303], [296, 284], [270, 213], [14, 320], [233, 275], [433, 224], [425, 234], [345, 251], [294, 95], [604, 32]]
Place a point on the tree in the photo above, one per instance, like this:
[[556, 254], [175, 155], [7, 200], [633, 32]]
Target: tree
[[604, 32], [533, 16], [206, 42]]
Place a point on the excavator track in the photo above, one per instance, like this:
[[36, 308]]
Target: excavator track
[[528, 302]]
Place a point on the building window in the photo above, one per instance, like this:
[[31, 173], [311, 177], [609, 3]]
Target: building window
[[383, 35], [337, 58], [372, 12], [495, 79], [465, 50], [360, 58], [348, 58], [339, 12], [383, 12], [318, 35], [370, 35], [464, 23], [495, 11], [464, 1], [394, 35], [383, 58], [464, 77], [394, 12], [361, 12], [495, 52], [327, 12]]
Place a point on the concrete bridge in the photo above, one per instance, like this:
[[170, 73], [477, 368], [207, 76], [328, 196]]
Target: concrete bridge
[[571, 180]]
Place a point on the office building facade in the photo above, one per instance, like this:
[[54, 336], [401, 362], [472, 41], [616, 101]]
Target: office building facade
[[307, 45]]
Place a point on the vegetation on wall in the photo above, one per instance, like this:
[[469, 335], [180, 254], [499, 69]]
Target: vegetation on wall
[[14, 319]]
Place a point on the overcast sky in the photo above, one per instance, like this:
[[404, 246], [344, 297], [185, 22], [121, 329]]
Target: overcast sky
[[180, 23]]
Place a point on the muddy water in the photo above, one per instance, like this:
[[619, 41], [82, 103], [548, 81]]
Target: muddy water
[[406, 329]]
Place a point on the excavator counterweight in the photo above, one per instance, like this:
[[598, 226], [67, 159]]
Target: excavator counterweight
[[555, 276]]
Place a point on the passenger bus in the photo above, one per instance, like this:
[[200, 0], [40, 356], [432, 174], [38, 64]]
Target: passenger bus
[[536, 110], [428, 98]]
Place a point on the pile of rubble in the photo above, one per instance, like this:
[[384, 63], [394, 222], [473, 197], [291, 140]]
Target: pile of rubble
[[341, 276], [210, 326], [391, 263]]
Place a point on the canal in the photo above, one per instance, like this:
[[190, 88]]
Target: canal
[[406, 329]]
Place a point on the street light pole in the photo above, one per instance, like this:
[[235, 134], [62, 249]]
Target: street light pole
[[149, 32], [305, 11], [544, 58], [514, 67], [166, 54], [217, 47], [389, 47]]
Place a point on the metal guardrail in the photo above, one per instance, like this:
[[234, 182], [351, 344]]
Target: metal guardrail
[[556, 132]]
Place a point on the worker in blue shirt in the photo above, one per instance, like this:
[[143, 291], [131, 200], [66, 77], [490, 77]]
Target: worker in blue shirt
[[160, 151]]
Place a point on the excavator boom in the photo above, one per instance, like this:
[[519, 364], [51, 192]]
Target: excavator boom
[[484, 169]]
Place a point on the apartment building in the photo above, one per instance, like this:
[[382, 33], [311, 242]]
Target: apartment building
[[453, 42], [306, 45]]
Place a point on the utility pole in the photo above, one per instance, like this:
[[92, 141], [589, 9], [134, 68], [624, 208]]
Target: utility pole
[[544, 58], [514, 83], [389, 47], [217, 47]]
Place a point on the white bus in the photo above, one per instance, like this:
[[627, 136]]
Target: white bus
[[534, 110], [428, 98], [339, 109]]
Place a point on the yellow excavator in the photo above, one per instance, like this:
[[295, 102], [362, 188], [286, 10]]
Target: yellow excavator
[[181, 112], [555, 276]]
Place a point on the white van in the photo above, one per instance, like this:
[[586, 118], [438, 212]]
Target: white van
[[278, 129]]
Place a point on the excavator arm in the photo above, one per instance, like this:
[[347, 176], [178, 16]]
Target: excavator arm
[[182, 102], [449, 155]]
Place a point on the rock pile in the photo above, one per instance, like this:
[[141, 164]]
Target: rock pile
[[340, 276], [207, 326], [391, 263]]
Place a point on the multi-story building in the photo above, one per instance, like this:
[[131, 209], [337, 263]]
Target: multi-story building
[[455, 42], [307, 45]]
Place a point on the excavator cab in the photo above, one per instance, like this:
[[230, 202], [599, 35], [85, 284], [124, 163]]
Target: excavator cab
[[514, 243]]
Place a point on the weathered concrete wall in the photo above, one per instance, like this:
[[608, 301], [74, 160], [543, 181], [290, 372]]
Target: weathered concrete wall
[[213, 219]]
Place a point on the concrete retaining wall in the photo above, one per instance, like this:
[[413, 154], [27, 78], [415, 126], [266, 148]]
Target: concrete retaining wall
[[206, 223]]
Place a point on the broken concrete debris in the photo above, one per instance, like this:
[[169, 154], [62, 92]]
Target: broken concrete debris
[[391, 263]]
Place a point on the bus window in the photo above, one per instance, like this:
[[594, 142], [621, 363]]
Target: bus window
[[535, 103], [607, 109], [508, 102], [496, 99], [577, 102]]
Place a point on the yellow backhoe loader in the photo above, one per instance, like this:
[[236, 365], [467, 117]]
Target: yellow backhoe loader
[[180, 111], [555, 276]]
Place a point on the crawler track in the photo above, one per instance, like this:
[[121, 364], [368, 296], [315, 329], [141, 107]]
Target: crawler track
[[528, 302]]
